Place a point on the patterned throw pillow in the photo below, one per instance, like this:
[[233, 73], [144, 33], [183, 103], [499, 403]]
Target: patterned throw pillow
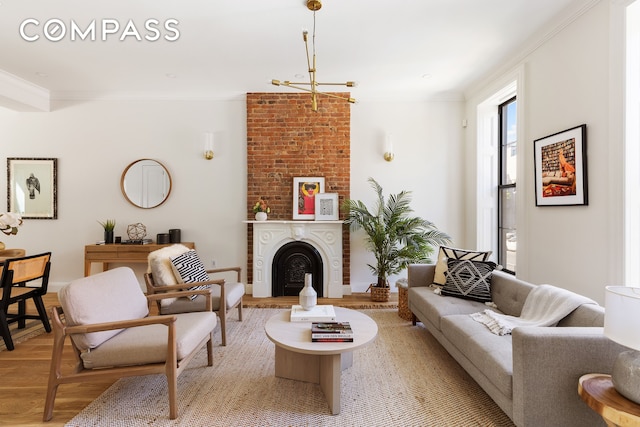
[[445, 253], [189, 269], [469, 279]]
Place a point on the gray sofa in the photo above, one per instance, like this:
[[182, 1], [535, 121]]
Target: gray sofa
[[531, 374]]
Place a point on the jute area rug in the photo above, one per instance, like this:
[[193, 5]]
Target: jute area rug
[[404, 378]]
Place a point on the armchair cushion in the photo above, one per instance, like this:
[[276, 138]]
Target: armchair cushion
[[188, 268], [148, 344], [233, 293], [98, 299]]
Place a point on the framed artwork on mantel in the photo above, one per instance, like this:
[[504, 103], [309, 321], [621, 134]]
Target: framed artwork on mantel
[[327, 207], [305, 190], [561, 168], [32, 187]]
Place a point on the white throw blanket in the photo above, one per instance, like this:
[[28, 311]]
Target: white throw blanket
[[545, 305]]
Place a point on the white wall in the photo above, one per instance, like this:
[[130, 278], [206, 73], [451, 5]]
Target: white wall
[[567, 84], [95, 140], [428, 162]]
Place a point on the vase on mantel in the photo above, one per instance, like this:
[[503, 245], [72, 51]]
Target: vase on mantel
[[261, 216], [308, 295]]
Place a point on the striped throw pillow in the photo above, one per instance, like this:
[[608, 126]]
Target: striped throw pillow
[[189, 269]]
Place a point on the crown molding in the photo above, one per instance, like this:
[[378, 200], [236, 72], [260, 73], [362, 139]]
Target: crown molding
[[20, 95]]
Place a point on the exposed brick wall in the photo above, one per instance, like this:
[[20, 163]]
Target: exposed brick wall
[[285, 139]]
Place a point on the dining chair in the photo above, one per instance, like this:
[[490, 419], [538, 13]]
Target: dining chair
[[24, 278]]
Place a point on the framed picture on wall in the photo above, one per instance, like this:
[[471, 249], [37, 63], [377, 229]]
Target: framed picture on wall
[[32, 187], [561, 168], [305, 190], [327, 207]]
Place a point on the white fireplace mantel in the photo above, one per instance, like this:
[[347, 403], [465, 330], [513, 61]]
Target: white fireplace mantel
[[325, 236]]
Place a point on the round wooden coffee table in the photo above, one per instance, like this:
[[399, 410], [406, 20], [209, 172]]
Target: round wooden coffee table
[[297, 358]]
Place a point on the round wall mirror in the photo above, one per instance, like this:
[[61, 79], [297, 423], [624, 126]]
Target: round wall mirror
[[146, 183]]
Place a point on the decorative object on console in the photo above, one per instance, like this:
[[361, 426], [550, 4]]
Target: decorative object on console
[[208, 145], [137, 231], [395, 238], [174, 235], [326, 207], [163, 238], [9, 223], [621, 317], [32, 189], [304, 196], [314, 5], [261, 209], [108, 226], [308, 296], [561, 168]]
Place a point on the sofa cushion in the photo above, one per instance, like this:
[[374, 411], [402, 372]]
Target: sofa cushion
[[435, 307], [469, 279], [509, 293], [99, 298], [445, 253], [491, 354], [188, 268]]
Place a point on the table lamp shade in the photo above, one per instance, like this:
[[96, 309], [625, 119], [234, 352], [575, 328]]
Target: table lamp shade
[[622, 315]]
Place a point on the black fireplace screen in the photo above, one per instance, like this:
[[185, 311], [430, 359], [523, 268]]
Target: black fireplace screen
[[290, 264]]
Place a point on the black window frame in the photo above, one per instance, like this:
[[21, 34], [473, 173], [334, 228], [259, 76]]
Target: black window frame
[[502, 186]]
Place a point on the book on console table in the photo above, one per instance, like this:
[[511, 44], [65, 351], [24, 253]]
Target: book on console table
[[319, 313], [331, 332]]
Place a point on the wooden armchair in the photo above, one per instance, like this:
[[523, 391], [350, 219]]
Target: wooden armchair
[[106, 316], [163, 276], [23, 278]]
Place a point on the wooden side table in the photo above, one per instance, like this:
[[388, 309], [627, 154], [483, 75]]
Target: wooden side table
[[598, 392]]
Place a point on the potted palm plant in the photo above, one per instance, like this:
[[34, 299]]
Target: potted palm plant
[[395, 237]]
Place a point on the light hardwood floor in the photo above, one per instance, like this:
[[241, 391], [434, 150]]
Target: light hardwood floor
[[24, 372]]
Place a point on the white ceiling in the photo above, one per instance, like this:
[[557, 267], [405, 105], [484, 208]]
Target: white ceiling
[[229, 47]]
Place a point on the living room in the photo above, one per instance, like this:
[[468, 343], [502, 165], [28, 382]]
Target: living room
[[566, 73], [566, 79]]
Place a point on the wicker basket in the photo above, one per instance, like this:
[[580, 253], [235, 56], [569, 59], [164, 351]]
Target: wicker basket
[[380, 294], [403, 300]]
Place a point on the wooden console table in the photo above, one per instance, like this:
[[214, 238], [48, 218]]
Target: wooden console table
[[120, 253]]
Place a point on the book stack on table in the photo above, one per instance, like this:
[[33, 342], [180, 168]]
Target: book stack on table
[[331, 332]]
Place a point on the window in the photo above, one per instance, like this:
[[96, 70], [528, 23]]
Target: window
[[507, 171]]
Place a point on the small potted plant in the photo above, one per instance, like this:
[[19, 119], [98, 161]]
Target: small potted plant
[[109, 225], [396, 238], [261, 209]]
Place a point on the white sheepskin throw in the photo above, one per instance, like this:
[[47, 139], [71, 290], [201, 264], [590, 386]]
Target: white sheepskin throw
[[162, 269]]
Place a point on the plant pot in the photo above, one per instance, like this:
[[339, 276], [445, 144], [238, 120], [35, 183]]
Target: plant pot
[[261, 216], [380, 294], [108, 237]]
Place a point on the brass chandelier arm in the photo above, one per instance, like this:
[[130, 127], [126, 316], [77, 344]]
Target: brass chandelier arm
[[314, 5]]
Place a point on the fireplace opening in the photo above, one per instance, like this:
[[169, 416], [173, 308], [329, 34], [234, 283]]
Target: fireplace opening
[[290, 264]]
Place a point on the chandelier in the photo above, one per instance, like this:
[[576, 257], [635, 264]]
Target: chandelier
[[312, 85]]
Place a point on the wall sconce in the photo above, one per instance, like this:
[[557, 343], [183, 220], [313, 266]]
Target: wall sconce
[[388, 153], [208, 145]]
